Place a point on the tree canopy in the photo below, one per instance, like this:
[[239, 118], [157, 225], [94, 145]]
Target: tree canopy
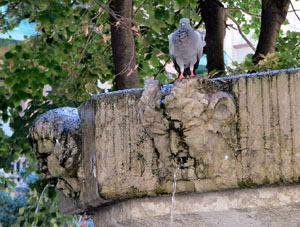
[[76, 46]]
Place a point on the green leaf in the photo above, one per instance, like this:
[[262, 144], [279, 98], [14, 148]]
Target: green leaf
[[9, 81], [3, 3], [19, 48], [43, 5], [181, 2], [158, 13], [26, 56], [21, 210], [8, 55], [185, 13], [72, 27], [177, 6]]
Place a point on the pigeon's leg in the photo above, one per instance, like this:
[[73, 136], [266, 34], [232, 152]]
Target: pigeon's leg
[[192, 71], [181, 67], [180, 77]]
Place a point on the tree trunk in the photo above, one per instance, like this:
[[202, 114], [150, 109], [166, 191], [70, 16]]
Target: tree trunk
[[213, 15], [123, 45], [273, 15]]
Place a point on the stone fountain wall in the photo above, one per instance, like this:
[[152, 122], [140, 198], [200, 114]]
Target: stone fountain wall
[[236, 132]]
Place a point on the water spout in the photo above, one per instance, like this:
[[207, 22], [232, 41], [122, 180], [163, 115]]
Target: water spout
[[173, 195]]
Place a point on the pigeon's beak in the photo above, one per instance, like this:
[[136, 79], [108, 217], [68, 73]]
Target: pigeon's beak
[[182, 24]]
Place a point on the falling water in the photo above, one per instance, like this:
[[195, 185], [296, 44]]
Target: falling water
[[173, 194]]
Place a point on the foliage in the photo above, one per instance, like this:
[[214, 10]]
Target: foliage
[[38, 207], [72, 50], [41, 208], [5, 152], [156, 21], [248, 23], [287, 56], [9, 207]]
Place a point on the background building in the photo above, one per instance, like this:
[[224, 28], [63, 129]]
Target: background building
[[237, 49]]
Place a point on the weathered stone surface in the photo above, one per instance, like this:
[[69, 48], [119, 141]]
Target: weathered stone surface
[[56, 140], [239, 138], [267, 121], [227, 133], [196, 129], [121, 162], [263, 207]]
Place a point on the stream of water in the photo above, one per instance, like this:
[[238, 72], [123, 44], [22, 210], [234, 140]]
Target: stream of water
[[173, 195]]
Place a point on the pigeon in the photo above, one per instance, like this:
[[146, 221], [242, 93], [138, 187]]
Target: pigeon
[[186, 48]]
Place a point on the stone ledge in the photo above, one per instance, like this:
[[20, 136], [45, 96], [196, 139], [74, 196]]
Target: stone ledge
[[271, 206]]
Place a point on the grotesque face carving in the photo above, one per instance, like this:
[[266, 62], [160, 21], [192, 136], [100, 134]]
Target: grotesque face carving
[[195, 126], [56, 140]]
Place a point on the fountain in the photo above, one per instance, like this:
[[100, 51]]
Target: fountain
[[237, 139], [173, 196]]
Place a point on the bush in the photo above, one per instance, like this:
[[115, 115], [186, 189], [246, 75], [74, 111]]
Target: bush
[[9, 208]]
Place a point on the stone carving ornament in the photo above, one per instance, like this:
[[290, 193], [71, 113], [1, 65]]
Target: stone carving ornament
[[56, 140], [189, 123]]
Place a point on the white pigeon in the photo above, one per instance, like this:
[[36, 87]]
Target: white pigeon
[[186, 48]]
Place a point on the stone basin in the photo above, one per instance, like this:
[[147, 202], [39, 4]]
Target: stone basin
[[237, 141]]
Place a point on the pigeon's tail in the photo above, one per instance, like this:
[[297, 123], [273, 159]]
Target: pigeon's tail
[[187, 71]]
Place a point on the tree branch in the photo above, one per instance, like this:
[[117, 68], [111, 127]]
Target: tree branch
[[240, 31], [140, 6], [161, 69], [110, 12], [73, 74], [240, 9], [298, 44], [118, 18], [294, 11], [198, 25], [10, 9], [290, 11]]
